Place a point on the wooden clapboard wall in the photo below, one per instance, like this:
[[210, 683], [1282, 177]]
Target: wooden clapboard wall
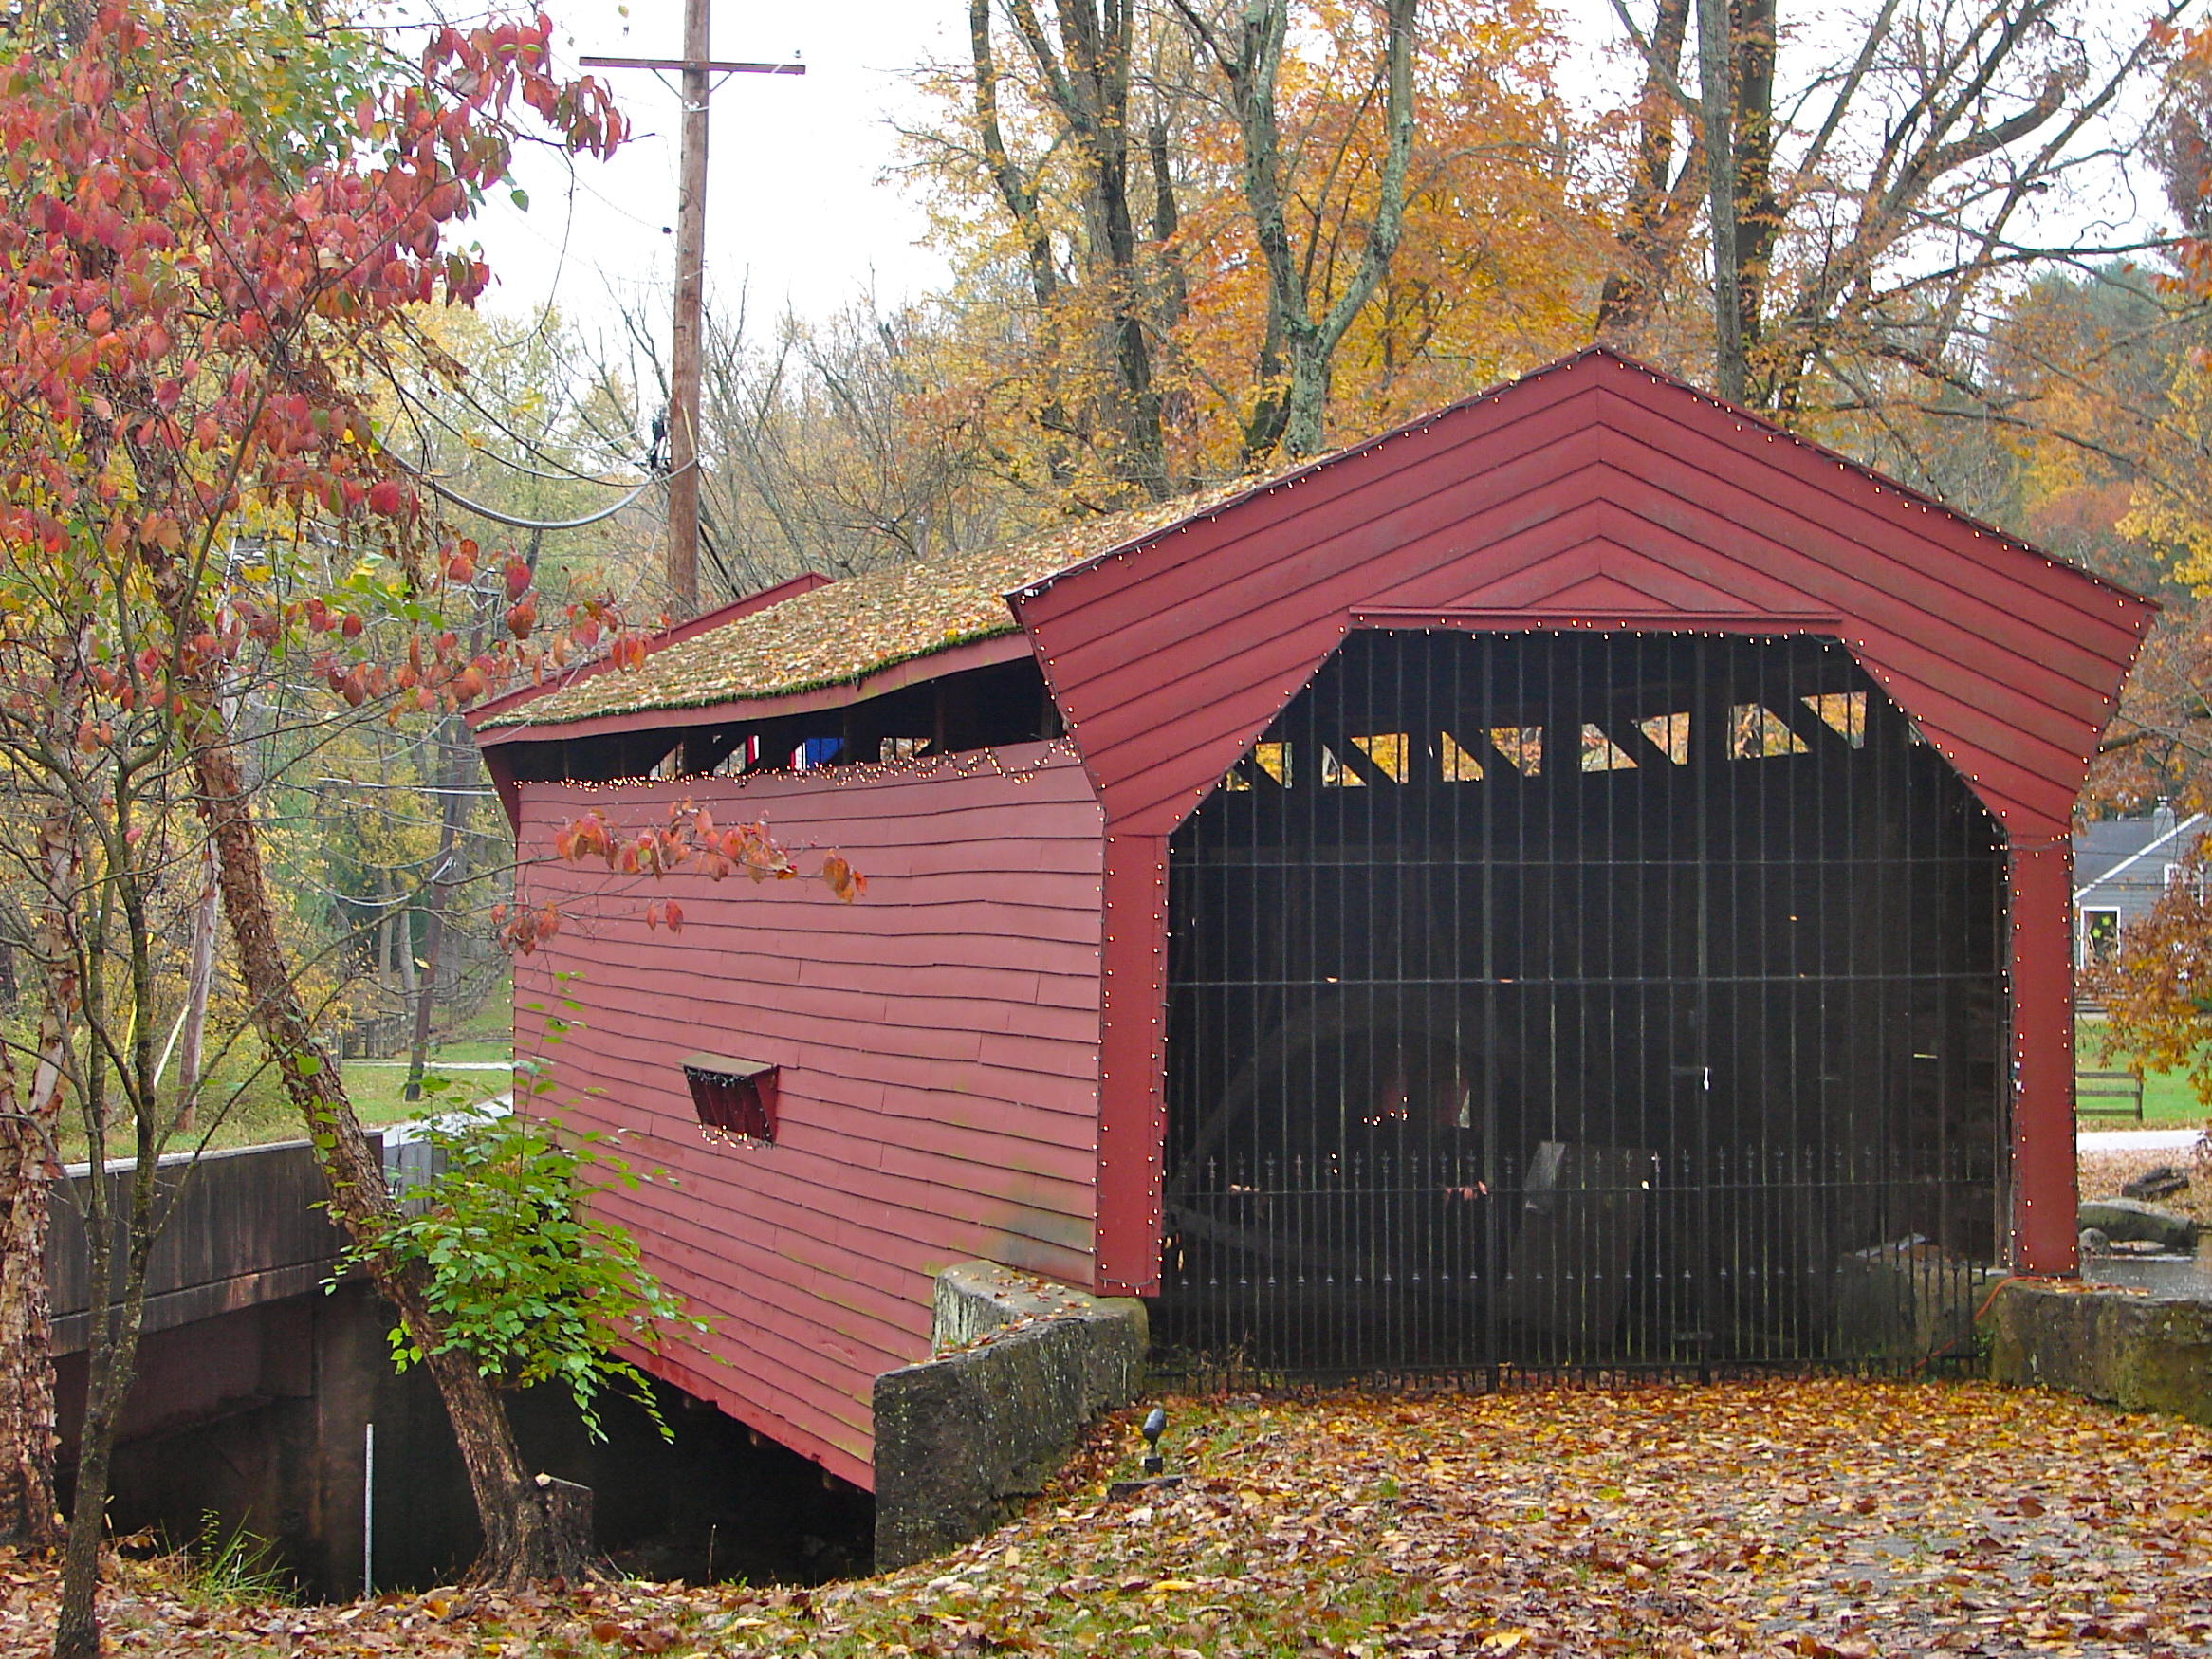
[[938, 1043]]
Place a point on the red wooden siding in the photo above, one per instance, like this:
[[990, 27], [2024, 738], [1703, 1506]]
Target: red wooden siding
[[1594, 489], [2045, 1171], [939, 1042], [1593, 494]]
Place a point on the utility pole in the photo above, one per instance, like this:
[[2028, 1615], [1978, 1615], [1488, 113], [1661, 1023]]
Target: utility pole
[[683, 401]]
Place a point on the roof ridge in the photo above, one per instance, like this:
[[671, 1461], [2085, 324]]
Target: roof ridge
[[843, 632]]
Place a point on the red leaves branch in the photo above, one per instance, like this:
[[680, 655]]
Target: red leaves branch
[[164, 284], [689, 842]]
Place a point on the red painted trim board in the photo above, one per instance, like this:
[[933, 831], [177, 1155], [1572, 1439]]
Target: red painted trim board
[[2044, 1182], [1133, 1111]]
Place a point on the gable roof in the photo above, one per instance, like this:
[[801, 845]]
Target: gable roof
[[1597, 493], [831, 634]]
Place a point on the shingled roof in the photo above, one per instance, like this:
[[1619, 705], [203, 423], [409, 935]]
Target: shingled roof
[[844, 632]]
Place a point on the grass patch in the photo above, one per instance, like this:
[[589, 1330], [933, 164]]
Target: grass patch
[[228, 1569], [2169, 1101], [245, 1105]]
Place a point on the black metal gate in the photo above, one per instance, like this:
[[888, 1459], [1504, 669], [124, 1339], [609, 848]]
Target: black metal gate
[[1608, 1000]]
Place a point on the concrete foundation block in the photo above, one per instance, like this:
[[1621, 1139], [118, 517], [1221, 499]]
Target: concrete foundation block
[[1023, 1367], [1907, 1300], [2140, 1352]]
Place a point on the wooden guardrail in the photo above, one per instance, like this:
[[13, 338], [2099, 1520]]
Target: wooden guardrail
[[2108, 1095]]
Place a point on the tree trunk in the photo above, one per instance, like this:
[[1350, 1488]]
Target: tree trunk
[[403, 937], [113, 1362], [1314, 346], [1305, 411], [26, 1371], [115, 1317], [1292, 410], [1087, 80], [1757, 215], [520, 1541], [27, 1129], [1020, 194], [453, 810], [1661, 201], [1717, 92], [199, 982]]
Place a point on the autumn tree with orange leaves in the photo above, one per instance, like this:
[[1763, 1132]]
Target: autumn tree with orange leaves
[[2104, 380], [1195, 238]]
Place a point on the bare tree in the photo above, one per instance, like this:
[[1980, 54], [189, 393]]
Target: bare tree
[[1878, 197], [831, 445]]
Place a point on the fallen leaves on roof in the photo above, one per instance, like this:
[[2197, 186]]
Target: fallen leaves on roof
[[1835, 1519], [851, 629]]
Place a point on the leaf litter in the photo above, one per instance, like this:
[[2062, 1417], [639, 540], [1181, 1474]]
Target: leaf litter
[[1827, 1518]]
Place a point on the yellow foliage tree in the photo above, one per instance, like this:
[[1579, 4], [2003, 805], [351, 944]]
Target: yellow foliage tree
[[1094, 187]]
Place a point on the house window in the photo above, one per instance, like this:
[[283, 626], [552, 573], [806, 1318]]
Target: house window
[[2100, 935], [2186, 876], [735, 1099]]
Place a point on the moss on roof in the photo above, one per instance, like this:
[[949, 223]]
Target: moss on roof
[[849, 630]]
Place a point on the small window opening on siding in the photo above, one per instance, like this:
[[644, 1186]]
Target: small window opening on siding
[[1264, 766], [1522, 745], [1388, 750], [746, 754], [735, 1099], [1457, 765], [1601, 754]]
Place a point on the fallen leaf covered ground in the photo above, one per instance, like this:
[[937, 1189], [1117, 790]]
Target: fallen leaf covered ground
[[1812, 1517], [2104, 1173]]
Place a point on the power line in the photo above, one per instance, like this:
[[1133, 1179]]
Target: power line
[[457, 499]]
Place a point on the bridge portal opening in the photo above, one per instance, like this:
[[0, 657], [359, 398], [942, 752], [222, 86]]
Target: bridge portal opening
[[1622, 1000]]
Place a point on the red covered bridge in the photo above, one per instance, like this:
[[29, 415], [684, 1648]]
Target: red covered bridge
[[1580, 879]]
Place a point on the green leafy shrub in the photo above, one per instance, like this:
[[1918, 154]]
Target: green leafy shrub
[[525, 1280]]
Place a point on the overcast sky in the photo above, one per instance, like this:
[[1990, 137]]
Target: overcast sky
[[798, 207], [801, 208]]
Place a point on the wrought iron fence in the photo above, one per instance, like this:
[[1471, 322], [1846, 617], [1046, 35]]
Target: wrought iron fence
[[1587, 1001]]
